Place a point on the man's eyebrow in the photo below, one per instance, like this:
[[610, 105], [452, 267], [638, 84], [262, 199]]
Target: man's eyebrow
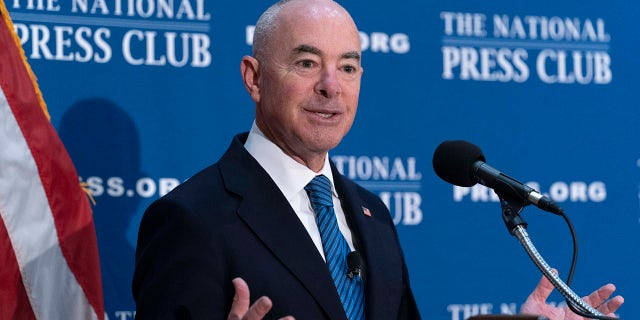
[[351, 55], [305, 48]]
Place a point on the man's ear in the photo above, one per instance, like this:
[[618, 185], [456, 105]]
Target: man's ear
[[250, 71]]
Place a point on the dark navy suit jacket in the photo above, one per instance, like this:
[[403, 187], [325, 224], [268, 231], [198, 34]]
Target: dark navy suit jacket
[[231, 220]]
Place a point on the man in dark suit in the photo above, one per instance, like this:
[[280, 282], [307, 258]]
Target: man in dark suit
[[251, 218], [248, 215]]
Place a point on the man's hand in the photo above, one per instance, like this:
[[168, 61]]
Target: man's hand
[[536, 302], [240, 309]]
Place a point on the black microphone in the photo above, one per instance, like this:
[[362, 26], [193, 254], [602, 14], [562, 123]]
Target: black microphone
[[462, 163], [354, 262]]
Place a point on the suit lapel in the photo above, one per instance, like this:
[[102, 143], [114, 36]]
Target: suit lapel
[[266, 211], [374, 240]]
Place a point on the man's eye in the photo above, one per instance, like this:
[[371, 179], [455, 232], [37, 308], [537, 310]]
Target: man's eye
[[306, 63], [349, 69]]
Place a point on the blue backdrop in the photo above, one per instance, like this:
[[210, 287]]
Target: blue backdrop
[[146, 93]]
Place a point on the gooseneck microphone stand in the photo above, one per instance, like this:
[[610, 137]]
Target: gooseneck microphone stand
[[511, 208]]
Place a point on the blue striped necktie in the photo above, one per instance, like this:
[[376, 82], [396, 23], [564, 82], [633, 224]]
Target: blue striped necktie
[[336, 248]]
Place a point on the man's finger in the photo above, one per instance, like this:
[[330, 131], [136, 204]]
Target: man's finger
[[614, 304], [598, 297], [240, 303], [258, 309], [542, 290], [609, 307]]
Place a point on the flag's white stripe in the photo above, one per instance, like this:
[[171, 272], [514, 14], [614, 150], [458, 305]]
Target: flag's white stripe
[[52, 289]]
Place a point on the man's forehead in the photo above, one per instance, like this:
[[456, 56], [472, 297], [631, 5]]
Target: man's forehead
[[304, 13]]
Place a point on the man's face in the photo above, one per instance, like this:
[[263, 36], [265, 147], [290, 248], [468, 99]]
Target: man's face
[[309, 81]]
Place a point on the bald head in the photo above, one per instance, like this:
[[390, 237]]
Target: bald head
[[287, 11], [304, 77]]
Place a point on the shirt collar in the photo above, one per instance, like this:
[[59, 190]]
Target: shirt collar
[[289, 175]]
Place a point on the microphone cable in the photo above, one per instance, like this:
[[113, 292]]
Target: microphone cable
[[577, 309]]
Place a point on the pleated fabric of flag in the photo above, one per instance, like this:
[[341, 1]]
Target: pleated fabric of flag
[[49, 264]]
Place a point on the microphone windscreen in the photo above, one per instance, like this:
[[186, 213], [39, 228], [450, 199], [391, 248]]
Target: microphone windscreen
[[453, 162], [354, 261]]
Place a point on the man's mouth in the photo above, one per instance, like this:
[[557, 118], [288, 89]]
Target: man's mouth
[[325, 115]]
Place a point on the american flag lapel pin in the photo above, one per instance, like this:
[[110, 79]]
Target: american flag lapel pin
[[366, 211]]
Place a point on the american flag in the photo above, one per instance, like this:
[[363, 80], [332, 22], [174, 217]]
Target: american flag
[[49, 267]]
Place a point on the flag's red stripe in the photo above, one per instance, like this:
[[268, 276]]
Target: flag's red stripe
[[68, 203], [14, 303]]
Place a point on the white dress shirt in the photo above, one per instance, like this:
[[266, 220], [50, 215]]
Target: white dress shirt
[[291, 177]]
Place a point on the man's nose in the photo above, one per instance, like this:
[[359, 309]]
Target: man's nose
[[328, 84]]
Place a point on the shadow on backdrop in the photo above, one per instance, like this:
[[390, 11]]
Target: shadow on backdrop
[[104, 144]]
